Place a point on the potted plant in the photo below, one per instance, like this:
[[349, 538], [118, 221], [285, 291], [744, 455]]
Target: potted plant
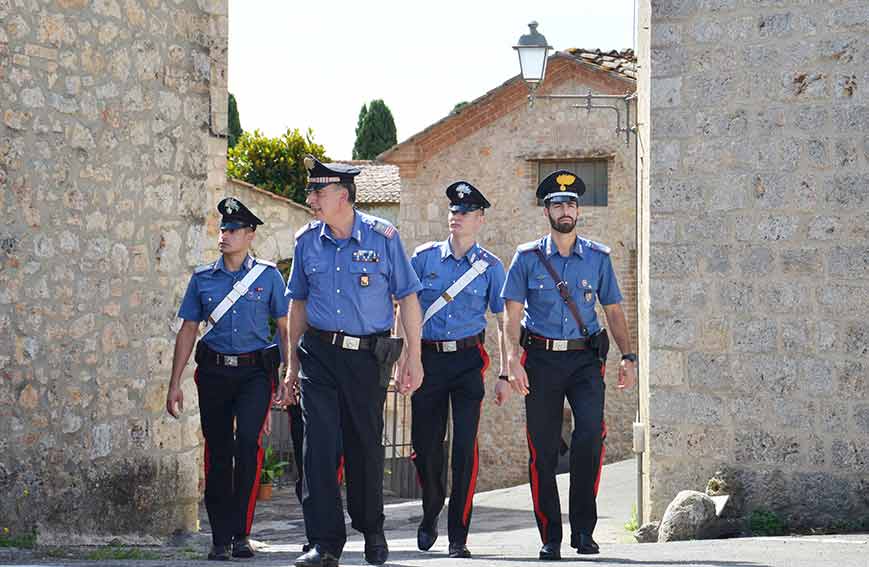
[[271, 469]]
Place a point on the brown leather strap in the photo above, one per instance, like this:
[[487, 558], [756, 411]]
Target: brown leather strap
[[563, 291]]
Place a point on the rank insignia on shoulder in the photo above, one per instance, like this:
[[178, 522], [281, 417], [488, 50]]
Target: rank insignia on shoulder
[[366, 256], [383, 228], [363, 280]]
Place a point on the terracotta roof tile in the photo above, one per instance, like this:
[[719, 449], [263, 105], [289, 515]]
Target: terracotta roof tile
[[377, 183], [622, 62]]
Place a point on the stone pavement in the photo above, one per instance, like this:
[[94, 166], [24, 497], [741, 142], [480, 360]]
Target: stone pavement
[[503, 534]]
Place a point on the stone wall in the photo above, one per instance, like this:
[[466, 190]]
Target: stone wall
[[112, 154], [501, 160], [760, 253]]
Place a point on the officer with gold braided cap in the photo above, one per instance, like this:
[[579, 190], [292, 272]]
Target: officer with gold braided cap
[[557, 348]]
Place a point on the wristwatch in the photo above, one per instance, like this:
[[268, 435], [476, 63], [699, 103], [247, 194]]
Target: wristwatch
[[630, 356]]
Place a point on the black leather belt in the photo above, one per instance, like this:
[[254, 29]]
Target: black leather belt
[[453, 346], [231, 360], [345, 341], [532, 341]]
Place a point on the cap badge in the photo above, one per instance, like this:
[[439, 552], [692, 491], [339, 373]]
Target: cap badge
[[463, 190], [565, 179], [231, 206], [309, 163]]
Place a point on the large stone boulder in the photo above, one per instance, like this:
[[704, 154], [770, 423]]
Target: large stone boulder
[[687, 517]]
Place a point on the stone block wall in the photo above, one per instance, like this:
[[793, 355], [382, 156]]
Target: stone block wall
[[759, 265], [112, 151], [501, 160]]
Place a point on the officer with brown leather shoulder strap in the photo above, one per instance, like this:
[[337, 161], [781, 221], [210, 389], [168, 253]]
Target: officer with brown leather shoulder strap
[[556, 349]]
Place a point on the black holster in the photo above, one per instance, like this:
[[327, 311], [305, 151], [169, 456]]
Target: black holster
[[199, 353], [272, 362], [387, 350], [600, 343]]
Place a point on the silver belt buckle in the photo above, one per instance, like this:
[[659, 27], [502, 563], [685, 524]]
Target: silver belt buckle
[[449, 346], [230, 361], [350, 343], [560, 345]]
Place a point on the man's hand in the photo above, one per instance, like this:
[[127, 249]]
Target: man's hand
[[627, 375], [288, 392], [174, 398], [410, 376], [518, 377], [267, 423], [502, 392]]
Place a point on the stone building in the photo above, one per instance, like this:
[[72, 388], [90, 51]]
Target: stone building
[[504, 147], [378, 189], [112, 157], [755, 175]]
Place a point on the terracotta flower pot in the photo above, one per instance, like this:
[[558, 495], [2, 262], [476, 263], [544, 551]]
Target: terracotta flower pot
[[265, 492]]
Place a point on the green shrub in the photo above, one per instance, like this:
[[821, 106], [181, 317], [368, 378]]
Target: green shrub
[[765, 523]]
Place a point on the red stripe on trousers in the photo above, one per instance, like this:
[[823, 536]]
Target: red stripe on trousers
[[535, 479], [340, 473], [472, 486], [251, 501], [602, 439], [535, 488]]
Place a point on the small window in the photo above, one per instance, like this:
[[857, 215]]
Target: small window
[[592, 172]]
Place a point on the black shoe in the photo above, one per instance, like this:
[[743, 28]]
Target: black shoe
[[376, 550], [306, 548], [241, 547], [550, 552], [316, 557], [426, 536], [587, 545], [219, 553], [459, 551]]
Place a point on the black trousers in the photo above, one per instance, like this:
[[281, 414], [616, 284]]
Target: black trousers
[[451, 378], [552, 376], [233, 404], [297, 436], [342, 408]]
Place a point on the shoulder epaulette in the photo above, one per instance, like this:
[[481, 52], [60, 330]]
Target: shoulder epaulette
[[382, 227], [266, 262], [597, 246], [310, 226], [528, 246], [424, 247], [488, 255], [203, 268]]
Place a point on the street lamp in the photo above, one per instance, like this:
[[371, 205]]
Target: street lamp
[[533, 53]]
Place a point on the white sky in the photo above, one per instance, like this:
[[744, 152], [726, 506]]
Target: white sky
[[313, 64]]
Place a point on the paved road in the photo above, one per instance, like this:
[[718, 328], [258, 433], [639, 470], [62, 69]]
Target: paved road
[[504, 534]]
